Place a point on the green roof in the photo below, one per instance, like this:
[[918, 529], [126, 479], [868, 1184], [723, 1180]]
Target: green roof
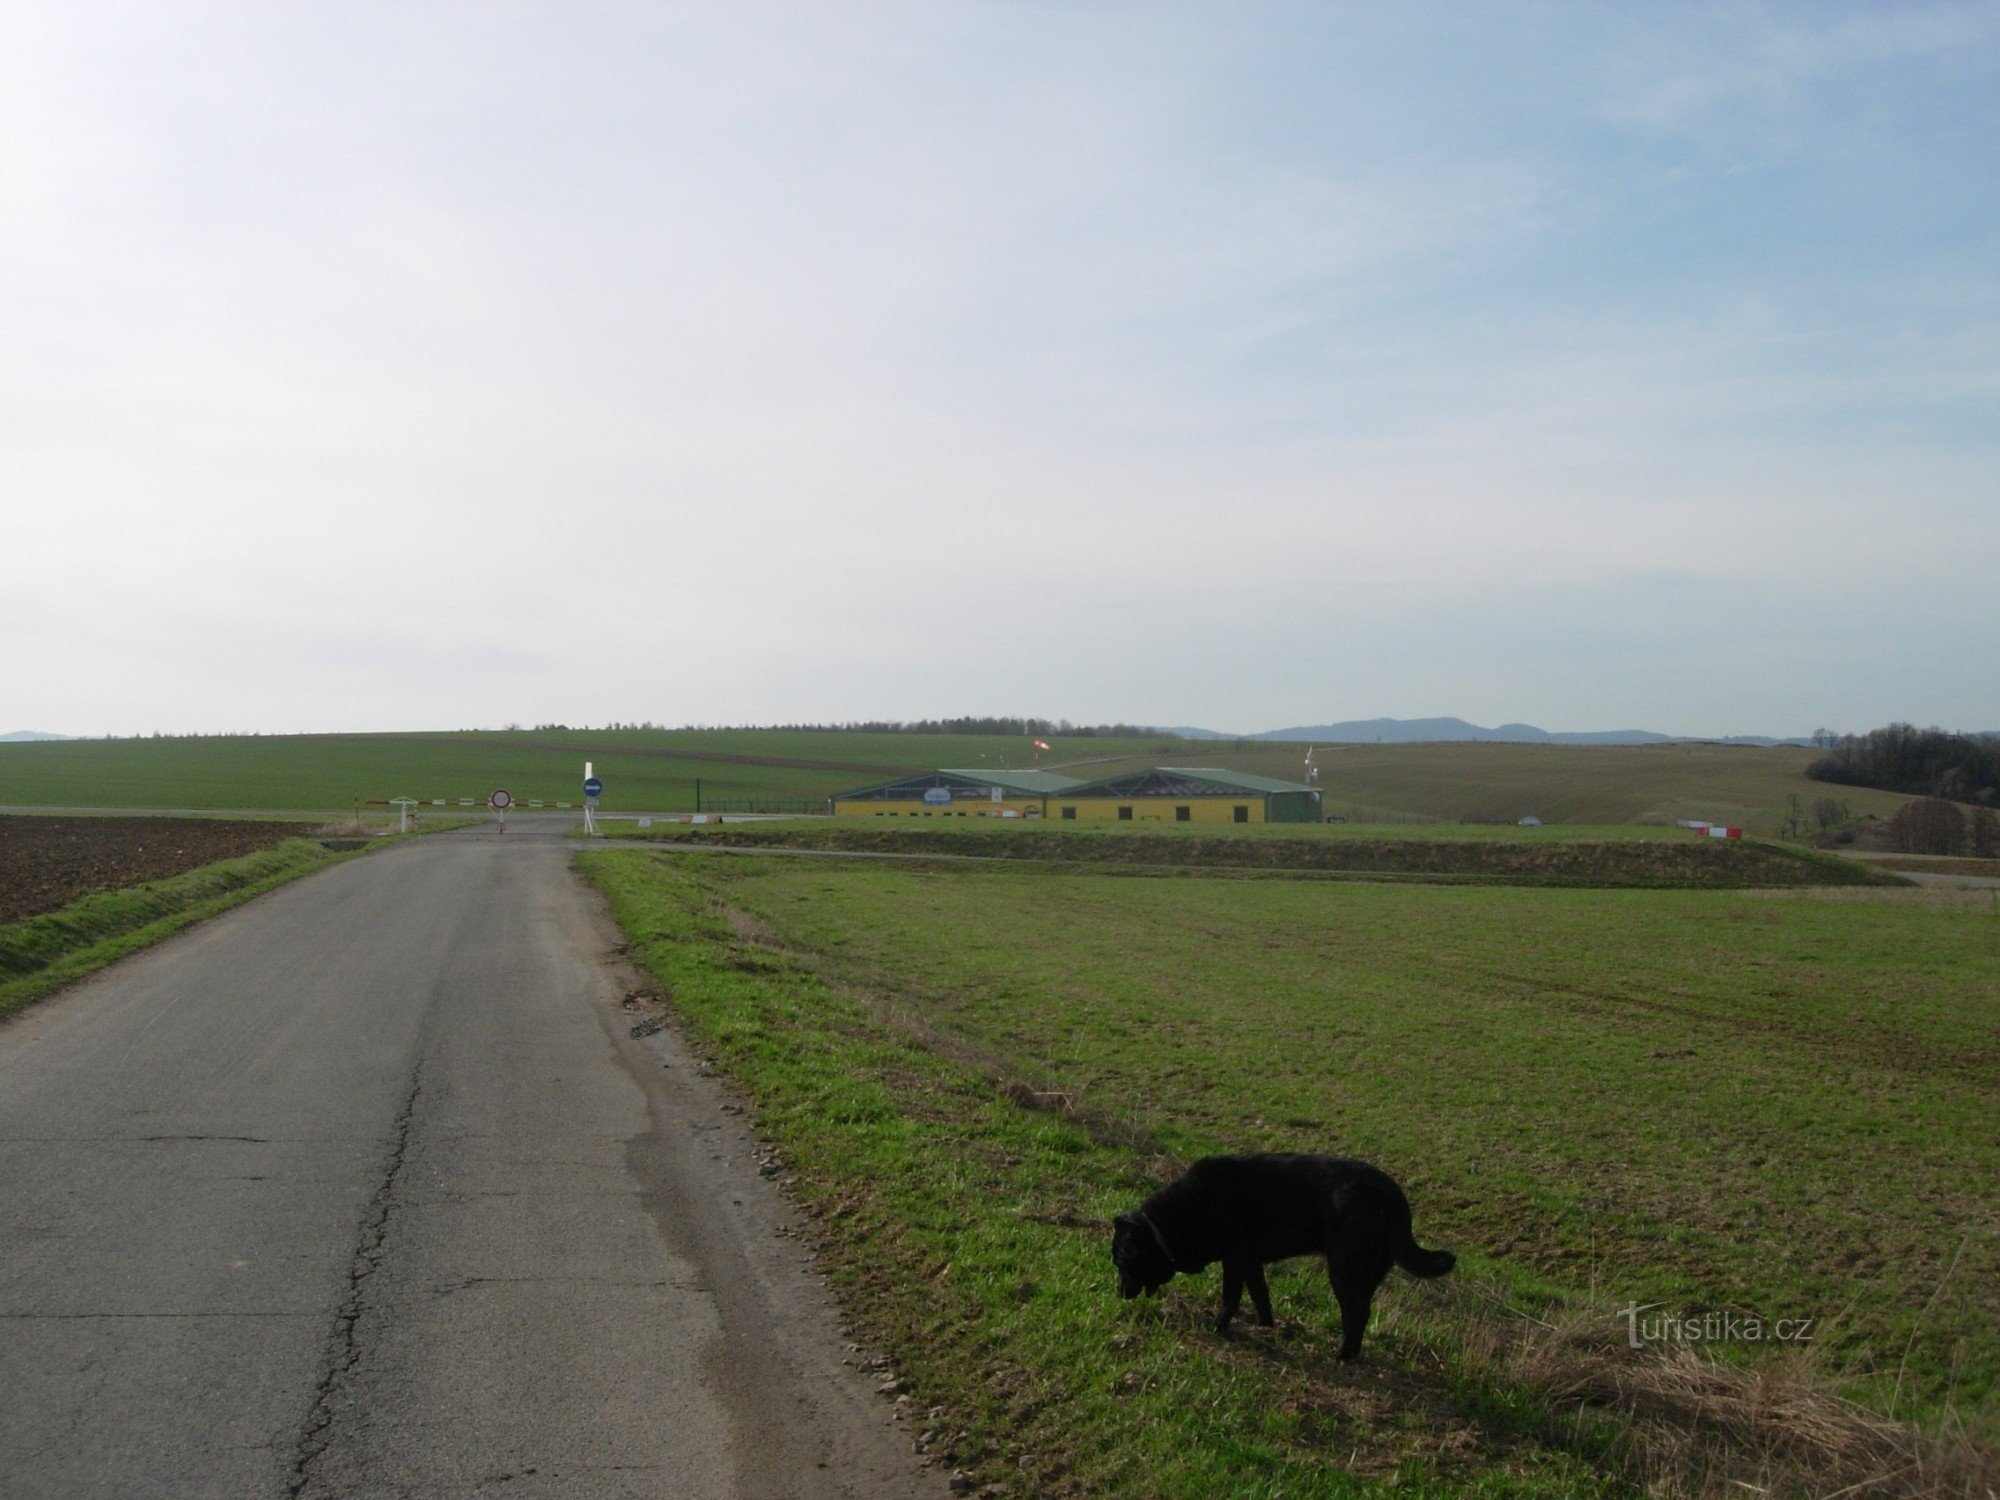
[[1239, 778], [1039, 783], [1185, 781], [1021, 783]]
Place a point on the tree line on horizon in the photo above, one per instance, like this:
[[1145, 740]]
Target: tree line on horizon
[[985, 725], [970, 724], [1918, 762]]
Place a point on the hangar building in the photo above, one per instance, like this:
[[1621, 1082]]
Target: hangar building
[[957, 794], [1176, 794]]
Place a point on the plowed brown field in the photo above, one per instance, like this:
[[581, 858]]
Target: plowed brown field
[[46, 863]]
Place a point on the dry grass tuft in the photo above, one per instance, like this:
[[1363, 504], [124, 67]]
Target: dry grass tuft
[[1690, 1424]]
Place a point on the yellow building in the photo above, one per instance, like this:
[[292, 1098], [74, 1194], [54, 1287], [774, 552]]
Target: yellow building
[[1170, 794], [957, 794]]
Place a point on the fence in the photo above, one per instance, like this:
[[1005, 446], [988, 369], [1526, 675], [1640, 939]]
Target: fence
[[1355, 813], [764, 805]]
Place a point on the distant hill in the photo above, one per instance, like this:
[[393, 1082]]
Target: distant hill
[[1430, 731], [21, 736]]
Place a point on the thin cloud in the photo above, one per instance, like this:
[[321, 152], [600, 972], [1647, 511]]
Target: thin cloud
[[724, 364]]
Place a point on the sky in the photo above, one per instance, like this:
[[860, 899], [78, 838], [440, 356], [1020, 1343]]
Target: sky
[[1242, 365]]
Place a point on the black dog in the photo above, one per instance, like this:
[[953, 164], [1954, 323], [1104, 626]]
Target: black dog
[[1247, 1210]]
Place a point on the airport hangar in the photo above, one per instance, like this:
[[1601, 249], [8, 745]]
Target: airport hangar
[[1165, 794]]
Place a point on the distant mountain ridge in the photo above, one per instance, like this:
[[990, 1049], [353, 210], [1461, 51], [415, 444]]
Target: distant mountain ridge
[[20, 736], [1416, 731]]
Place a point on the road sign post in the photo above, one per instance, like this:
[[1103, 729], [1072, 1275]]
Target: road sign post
[[403, 806], [593, 788], [500, 801]]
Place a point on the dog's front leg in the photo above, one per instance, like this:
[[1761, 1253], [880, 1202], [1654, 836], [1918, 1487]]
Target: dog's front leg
[[1232, 1293]]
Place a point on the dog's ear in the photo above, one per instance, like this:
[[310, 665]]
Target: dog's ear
[[1122, 1221]]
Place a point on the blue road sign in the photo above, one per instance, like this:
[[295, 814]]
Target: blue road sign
[[593, 787]]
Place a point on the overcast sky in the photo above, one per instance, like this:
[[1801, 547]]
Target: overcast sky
[[1242, 365]]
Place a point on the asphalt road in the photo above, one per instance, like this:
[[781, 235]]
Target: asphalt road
[[367, 1189]]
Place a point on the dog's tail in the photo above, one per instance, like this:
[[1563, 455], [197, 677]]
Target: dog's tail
[[1418, 1261]]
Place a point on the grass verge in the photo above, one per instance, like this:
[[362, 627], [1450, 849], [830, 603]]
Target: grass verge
[[44, 953], [967, 1074], [966, 1233]]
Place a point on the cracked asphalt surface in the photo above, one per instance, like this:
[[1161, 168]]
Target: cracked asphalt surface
[[369, 1188]]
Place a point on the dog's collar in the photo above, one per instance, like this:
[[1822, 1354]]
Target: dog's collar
[[1159, 1239]]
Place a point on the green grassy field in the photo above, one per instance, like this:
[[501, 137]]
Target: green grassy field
[[650, 770], [1776, 1105], [656, 771], [1601, 784]]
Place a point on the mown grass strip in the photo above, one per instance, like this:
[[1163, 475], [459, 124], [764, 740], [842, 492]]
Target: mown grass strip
[[46, 952]]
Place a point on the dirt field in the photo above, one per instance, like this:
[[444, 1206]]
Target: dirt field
[[46, 863]]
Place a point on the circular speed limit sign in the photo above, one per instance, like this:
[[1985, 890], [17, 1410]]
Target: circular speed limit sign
[[501, 800]]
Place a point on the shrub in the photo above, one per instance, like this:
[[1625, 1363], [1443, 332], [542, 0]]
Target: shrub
[[1930, 825]]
